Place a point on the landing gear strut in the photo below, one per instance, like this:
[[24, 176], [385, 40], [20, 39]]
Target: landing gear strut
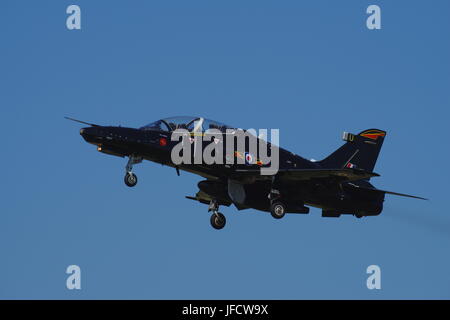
[[130, 178], [217, 220]]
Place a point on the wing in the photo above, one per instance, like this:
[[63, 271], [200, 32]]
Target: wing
[[342, 175], [205, 198]]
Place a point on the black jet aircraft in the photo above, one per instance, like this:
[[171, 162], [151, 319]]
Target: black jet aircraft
[[338, 184]]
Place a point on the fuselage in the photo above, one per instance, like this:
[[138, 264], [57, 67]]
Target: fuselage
[[225, 183]]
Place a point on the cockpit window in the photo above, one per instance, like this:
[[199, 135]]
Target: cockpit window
[[184, 122], [180, 122], [157, 125], [201, 124]]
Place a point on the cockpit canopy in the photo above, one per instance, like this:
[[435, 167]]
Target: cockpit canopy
[[192, 124]]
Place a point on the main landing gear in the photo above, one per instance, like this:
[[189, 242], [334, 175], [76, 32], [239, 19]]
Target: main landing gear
[[130, 178], [218, 220], [277, 208]]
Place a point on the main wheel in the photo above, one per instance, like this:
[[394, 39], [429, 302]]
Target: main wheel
[[130, 179], [277, 210], [218, 220]]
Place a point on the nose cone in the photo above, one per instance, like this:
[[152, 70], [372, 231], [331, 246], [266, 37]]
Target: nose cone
[[87, 131], [111, 135], [90, 134]]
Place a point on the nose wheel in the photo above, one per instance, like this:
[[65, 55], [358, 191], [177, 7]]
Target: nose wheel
[[130, 178]]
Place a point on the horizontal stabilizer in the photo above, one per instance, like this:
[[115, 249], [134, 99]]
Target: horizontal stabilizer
[[402, 194], [388, 192]]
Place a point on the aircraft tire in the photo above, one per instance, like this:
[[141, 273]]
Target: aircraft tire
[[130, 179], [218, 220], [277, 210]]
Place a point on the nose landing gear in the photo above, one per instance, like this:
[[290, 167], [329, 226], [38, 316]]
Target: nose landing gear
[[130, 178]]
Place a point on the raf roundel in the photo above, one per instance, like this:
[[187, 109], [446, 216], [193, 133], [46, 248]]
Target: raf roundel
[[248, 158]]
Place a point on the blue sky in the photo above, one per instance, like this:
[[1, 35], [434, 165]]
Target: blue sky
[[310, 68]]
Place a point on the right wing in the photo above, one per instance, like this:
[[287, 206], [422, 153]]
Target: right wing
[[342, 175]]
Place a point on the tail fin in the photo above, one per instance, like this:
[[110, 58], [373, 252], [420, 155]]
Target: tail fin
[[360, 151]]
